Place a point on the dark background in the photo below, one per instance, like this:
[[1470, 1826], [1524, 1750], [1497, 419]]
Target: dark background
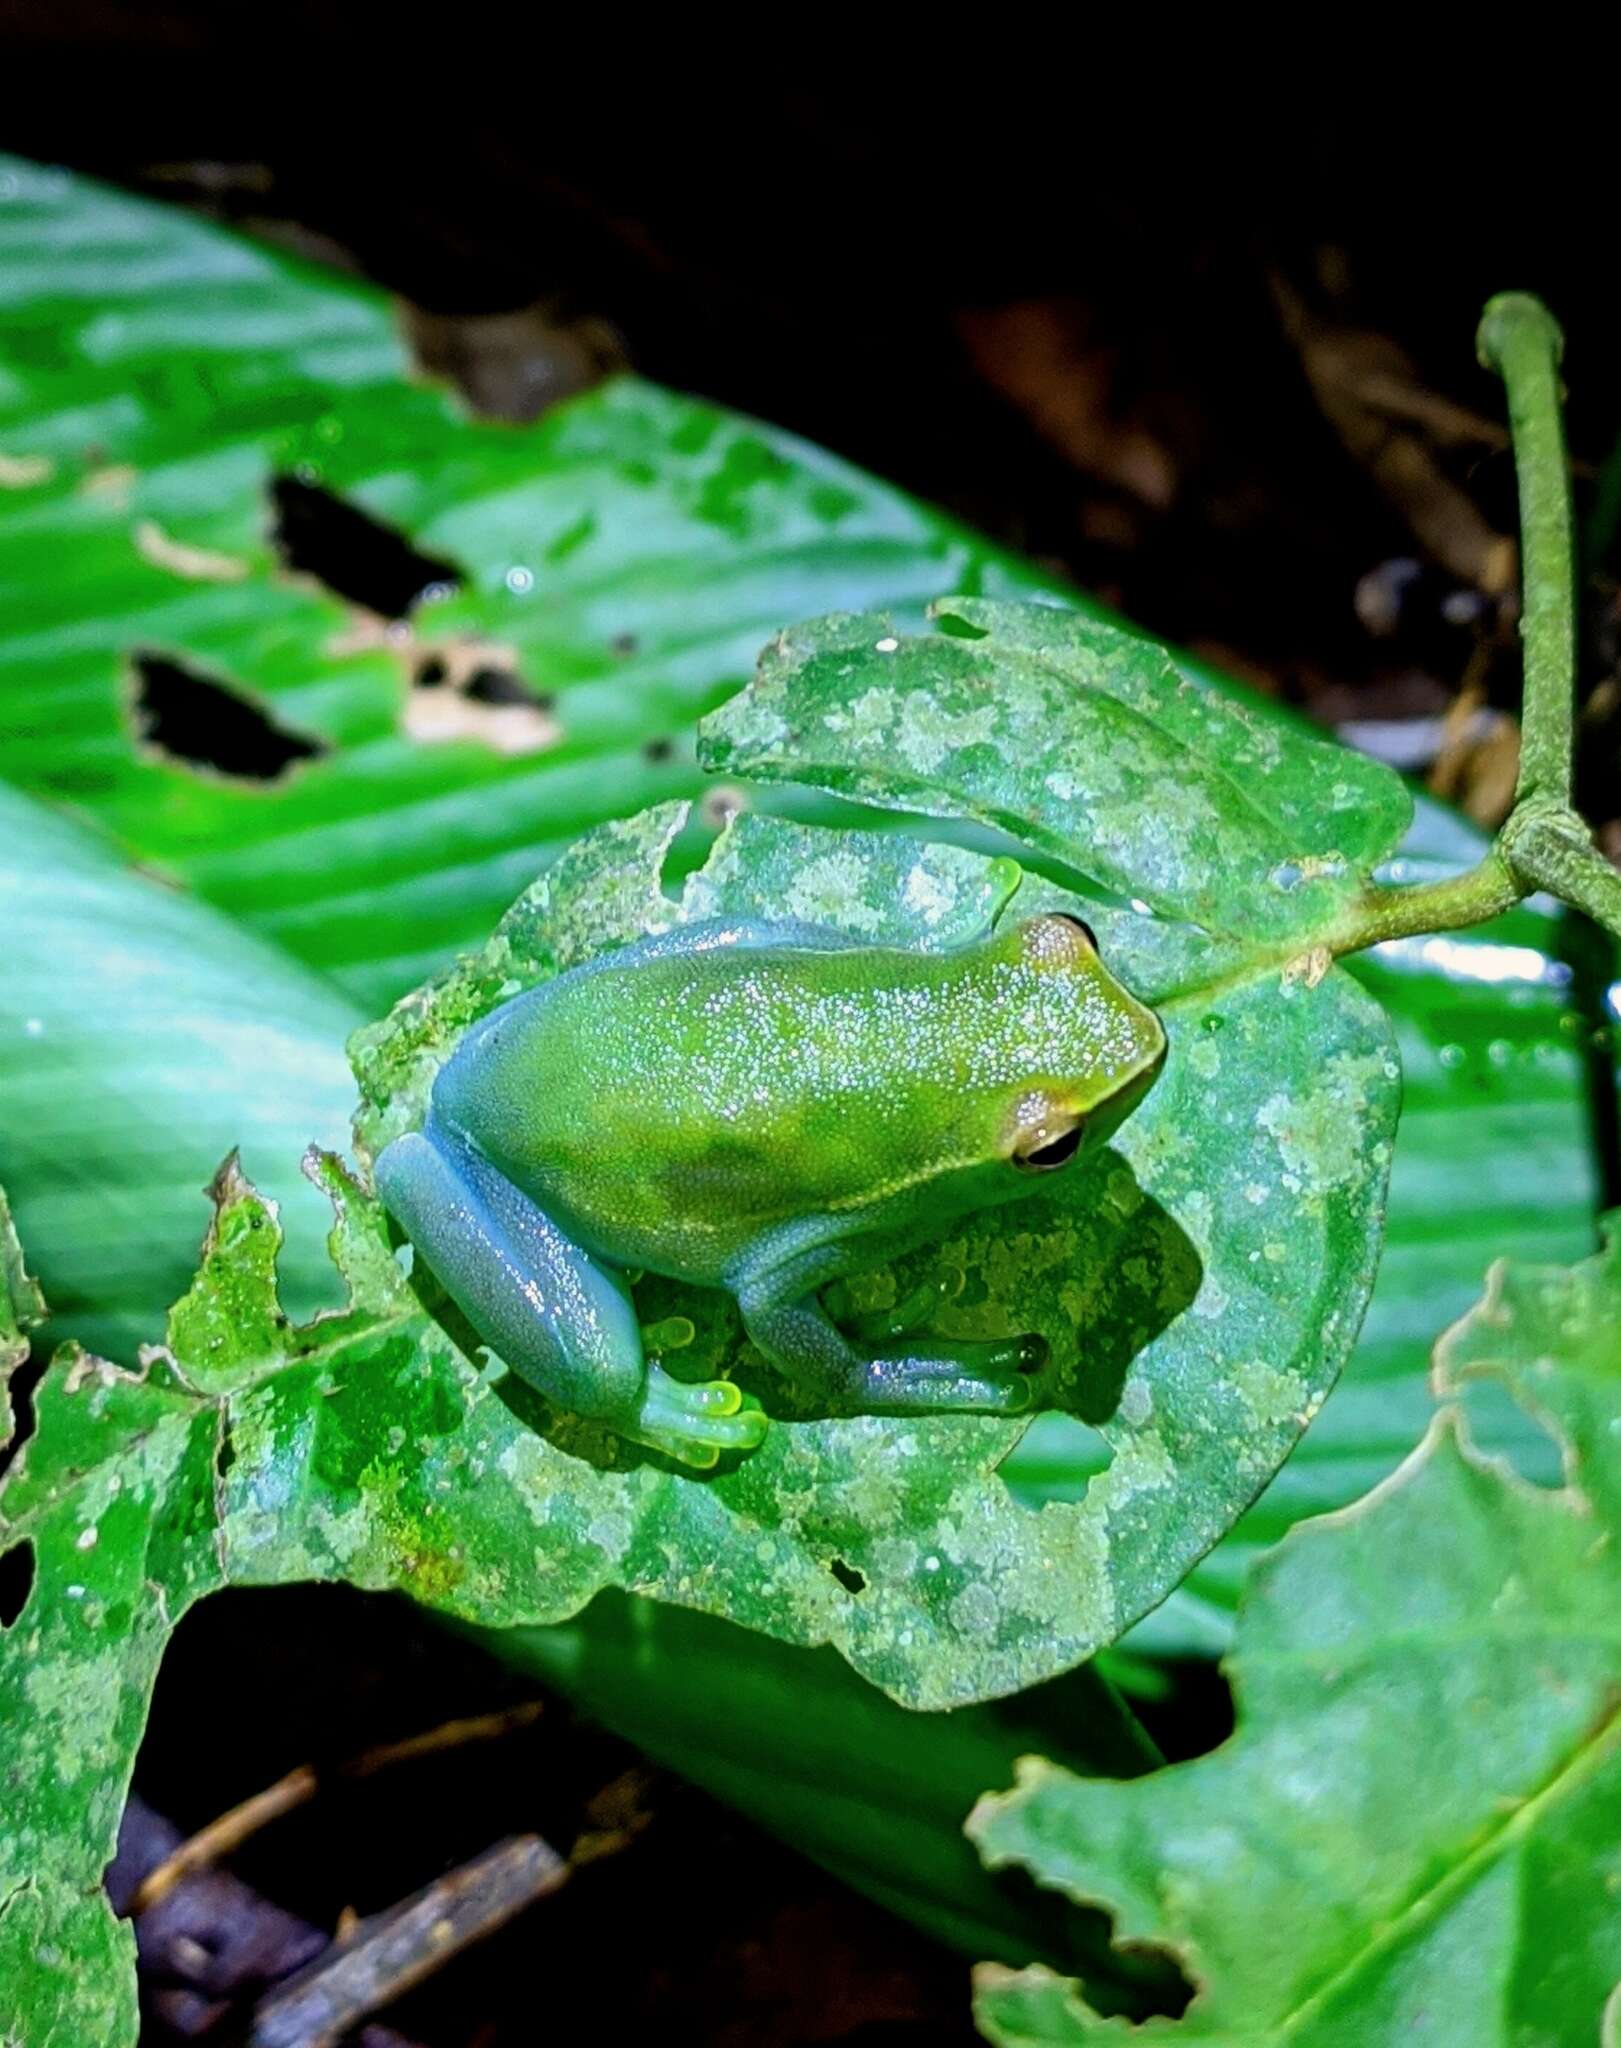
[[1211, 352], [1208, 351]]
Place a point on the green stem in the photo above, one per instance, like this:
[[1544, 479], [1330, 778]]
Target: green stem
[[1544, 844], [1485, 891], [1549, 847], [1520, 339]]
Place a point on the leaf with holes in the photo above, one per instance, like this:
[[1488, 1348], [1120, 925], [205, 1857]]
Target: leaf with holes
[[169, 395], [144, 1035], [1084, 742], [224, 479], [1413, 1832], [1198, 1288], [352, 664], [83, 1627], [21, 1307]]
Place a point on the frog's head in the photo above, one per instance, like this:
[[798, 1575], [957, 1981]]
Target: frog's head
[[1043, 1057], [1077, 1051]]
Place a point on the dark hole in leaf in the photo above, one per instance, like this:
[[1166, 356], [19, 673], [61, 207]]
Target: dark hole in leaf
[[953, 628], [848, 1577], [24, 1380], [659, 750], [204, 723], [623, 644], [498, 686], [1190, 1711], [1134, 1981], [16, 1581], [225, 1453], [1156, 1985], [431, 673], [353, 554]]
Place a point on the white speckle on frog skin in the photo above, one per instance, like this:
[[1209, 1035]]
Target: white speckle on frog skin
[[1256, 1192], [1204, 1058], [887, 645], [87, 1539]]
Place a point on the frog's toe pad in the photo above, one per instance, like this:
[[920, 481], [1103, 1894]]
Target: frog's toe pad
[[694, 1422], [1000, 1377]]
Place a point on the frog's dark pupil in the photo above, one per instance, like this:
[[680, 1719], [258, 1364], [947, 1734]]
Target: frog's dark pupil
[[1055, 1152]]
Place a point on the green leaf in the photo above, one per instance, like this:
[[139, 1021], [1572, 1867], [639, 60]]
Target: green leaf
[[1413, 1830], [21, 1306], [621, 562], [1496, 1146], [1266, 1144], [145, 1036], [137, 338], [866, 1789], [1198, 1288], [106, 1580], [1082, 741]]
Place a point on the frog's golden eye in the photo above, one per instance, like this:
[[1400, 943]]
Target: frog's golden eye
[[1046, 1152]]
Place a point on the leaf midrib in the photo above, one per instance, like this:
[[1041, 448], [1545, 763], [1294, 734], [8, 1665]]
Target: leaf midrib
[[1429, 1902]]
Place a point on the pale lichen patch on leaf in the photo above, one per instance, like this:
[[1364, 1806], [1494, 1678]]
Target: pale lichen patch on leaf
[[25, 472], [180, 558], [466, 689]]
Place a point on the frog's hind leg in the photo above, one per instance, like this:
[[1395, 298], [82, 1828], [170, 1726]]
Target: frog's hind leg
[[916, 1376], [558, 1319]]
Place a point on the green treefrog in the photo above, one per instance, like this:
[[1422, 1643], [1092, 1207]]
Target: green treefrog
[[761, 1107]]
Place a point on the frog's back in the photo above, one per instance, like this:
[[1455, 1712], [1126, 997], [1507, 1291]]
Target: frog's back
[[703, 1086]]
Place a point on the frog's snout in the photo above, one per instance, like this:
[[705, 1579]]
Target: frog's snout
[[1107, 1119]]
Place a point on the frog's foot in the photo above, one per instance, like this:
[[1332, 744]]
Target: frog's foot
[[941, 1377], [695, 1422], [911, 1312]]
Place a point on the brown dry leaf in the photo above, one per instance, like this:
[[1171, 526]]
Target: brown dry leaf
[[1478, 762], [1371, 394], [1041, 354]]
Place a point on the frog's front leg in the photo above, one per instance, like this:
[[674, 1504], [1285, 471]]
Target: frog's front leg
[[561, 1321], [777, 1295]]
